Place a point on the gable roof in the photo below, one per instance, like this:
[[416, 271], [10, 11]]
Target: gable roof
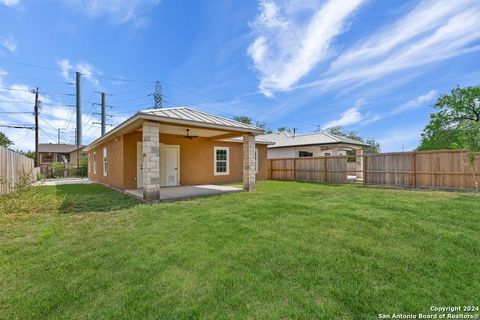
[[57, 148], [180, 116], [183, 113], [286, 139]]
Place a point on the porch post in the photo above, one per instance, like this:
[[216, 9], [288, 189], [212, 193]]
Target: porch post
[[151, 161], [249, 162]]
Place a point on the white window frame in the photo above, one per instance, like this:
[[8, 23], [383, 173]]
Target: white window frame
[[256, 160], [215, 161], [94, 163], [105, 161]]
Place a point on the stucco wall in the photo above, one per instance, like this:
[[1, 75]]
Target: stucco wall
[[196, 161], [115, 161]]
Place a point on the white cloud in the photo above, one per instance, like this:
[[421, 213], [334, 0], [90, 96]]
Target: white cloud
[[286, 49], [66, 67], [119, 11], [433, 31], [9, 3], [415, 103], [9, 43], [86, 69], [349, 117]]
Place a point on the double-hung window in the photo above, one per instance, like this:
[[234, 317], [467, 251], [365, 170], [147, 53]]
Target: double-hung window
[[105, 161], [221, 164]]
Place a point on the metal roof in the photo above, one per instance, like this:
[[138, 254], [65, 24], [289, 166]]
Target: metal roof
[[258, 140], [285, 139], [183, 113]]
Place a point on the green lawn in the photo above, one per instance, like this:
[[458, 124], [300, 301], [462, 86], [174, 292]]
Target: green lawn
[[290, 250]]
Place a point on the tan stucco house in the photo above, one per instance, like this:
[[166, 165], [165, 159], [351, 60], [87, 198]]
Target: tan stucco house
[[158, 148]]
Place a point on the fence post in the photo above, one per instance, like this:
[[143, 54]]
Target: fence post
[[271, 169], [295, 169], [364, 169], [414, 169], [325, 167]]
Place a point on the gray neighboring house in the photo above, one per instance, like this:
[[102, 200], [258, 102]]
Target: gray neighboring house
[[52, 152], [288, 145]]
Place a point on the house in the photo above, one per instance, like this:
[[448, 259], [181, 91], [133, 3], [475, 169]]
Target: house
[[288, 145], [159, 148], [321, 144], [52, 152]]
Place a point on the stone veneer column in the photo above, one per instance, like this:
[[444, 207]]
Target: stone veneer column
[[249, 162], [151, 161]]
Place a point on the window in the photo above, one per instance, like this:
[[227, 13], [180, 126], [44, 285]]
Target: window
[[327, 154], [303, 154], [105, 161], [221, 163], [351, 156], [256, 160], [94, 163]]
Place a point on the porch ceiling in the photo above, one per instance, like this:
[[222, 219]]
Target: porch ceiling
[[193, 131]]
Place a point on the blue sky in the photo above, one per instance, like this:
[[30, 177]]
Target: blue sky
[[375, 67]]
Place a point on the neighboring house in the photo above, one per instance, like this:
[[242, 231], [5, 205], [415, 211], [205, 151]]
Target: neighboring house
[[321, 144], [52, 152], [177, 147], [288, 145]]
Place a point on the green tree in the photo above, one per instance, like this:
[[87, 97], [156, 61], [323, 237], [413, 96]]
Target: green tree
[[455, 124], [28, 154], [4, 141], [243, 119], [284, 129]]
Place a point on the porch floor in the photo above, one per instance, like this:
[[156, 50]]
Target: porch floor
[[174, 193]]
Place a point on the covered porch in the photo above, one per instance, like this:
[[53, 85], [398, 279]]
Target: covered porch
[[186, 192], [184, 153]]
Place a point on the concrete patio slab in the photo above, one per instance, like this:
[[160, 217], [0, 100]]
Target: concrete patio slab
[[175, 193], [61, 181]]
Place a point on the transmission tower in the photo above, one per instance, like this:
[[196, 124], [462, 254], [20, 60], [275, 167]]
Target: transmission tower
[[157, 95]]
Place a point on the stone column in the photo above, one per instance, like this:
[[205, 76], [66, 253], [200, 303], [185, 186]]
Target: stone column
[[249, 162], [151, 161], [359, 166]]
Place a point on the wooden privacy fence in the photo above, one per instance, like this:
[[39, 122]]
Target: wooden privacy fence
[[12, 167], [444, 169], [332, 169]]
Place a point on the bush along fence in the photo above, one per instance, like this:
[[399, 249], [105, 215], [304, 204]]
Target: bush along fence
[[15, 170], [444, 169]]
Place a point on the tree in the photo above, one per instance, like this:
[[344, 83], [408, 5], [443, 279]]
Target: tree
[[28, 154], [456, 124], [373, 145], [284, 129], [4, 141], [243, 119]]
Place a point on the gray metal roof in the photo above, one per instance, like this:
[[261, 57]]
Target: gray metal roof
[[285, 139], [182, 113], [57, 148], [258, 140]]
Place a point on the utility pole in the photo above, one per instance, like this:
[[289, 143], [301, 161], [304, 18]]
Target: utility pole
[[103, 114], [35, 111], [79, 117], [59, 135]]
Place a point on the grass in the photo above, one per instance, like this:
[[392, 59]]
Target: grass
[[290, 250]]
